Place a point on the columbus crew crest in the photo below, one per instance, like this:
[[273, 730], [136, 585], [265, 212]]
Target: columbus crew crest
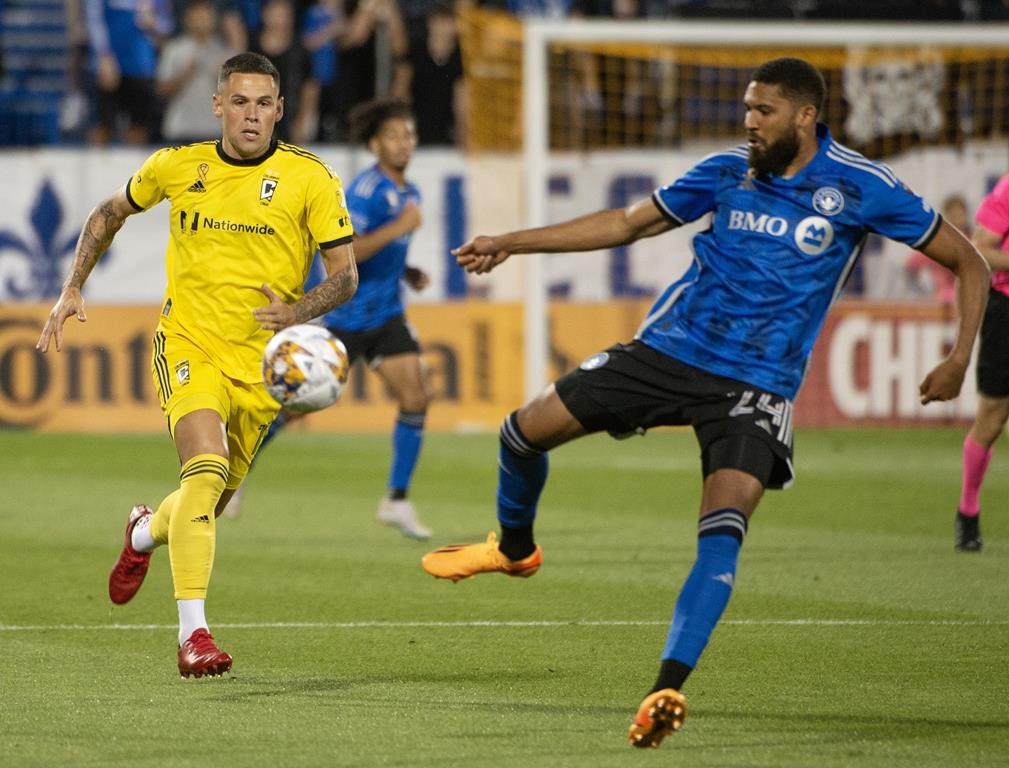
[[182, 372], [267, 189]]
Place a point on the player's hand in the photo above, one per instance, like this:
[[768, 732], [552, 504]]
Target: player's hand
[[943, 382], [417, 278], [69, 303], [480, 255], [275, 315], [409, 217]]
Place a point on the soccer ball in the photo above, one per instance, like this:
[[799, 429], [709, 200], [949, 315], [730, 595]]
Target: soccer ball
[[305, 368]]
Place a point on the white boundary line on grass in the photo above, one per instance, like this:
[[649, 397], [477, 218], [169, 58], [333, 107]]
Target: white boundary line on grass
[[519, 624]]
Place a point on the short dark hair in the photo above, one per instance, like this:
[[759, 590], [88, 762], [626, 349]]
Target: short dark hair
[[366, 119], [247, 63], [800, 81]]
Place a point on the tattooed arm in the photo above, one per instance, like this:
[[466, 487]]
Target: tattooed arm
[[96, 236], [337, 288]]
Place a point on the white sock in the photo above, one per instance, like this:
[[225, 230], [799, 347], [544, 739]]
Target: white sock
[[141, 539], [191, 618]]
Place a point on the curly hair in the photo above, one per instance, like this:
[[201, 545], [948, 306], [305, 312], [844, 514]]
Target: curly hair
[[366, 119]]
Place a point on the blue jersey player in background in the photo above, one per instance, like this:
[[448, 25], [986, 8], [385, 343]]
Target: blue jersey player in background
[[385, 209], [725, 347]]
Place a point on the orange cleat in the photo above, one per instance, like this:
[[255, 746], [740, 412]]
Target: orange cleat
[[460, 561], [661, 714]]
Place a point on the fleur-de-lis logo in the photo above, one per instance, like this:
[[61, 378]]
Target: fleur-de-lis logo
[[45, 253]]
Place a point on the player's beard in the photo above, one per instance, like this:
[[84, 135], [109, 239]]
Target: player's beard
[[777, 157]]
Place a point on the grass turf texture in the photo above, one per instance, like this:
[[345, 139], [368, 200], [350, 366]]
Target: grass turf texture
[[856, 635]]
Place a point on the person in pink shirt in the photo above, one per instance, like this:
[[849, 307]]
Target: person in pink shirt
[[991, 236], [930, 278]]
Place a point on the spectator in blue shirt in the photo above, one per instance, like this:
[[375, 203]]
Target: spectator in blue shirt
[[124, 37]]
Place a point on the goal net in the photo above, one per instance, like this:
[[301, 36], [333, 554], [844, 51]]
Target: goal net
[[549, 99], [635, 84]]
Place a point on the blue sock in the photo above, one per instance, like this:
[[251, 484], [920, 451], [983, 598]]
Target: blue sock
[[522, 473], [708, 588], [407, 437]]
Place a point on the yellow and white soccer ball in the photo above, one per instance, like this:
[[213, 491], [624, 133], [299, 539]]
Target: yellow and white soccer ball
[[305, 368]]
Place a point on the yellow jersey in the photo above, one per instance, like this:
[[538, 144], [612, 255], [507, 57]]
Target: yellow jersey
[[235, 225]]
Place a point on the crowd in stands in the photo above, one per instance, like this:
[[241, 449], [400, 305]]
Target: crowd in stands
[[140, 71]]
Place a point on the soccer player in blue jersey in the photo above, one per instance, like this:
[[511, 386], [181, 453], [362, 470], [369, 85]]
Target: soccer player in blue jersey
[[385, 210], [725, 347]]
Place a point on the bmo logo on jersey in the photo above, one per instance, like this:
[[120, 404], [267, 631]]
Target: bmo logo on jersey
[[814, 235], [752, 222]]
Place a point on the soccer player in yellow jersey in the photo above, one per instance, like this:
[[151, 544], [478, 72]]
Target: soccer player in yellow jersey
[[247, 215]]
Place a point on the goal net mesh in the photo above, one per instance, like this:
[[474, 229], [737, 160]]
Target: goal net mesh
[[882, 100]]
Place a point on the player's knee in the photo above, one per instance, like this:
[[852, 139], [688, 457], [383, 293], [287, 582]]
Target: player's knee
[[514, 438], [414, 401]]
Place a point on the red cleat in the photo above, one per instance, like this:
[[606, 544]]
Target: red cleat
[[199, 656], [130, 569]]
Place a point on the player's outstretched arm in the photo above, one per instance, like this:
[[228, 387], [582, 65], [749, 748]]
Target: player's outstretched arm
[[951, 249], [96, 236], [602, 229], [339, 285]]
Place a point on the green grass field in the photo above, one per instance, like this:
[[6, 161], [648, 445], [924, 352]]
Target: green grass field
[[856, 635]]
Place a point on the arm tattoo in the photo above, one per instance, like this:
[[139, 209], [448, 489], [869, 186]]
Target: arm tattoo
[[330, 293], [96, 236]]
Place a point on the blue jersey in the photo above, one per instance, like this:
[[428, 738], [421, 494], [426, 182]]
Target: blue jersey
[[375, 200], [325, 58], [113, 26], [773, 259]]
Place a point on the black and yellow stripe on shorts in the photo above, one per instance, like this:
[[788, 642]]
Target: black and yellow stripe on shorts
[[164, 379], [218, 467]]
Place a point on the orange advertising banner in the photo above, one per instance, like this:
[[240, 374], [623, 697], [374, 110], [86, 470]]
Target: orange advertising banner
[[865, 368], [101, 381]]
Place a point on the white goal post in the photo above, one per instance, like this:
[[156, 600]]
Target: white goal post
[[540, 34]]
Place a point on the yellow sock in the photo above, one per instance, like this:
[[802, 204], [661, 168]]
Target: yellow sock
[[191, 529], [163, 516]]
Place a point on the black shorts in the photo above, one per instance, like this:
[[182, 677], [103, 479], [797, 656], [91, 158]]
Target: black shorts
[[135, 97], [993, 354], [395, 337], [630, 388]]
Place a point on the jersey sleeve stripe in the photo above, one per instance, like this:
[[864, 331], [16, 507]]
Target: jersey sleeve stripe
[[863, 165], [657, 199], [283, 147], [339, 241], [365, 186], [932, 231], [854, 156], [129, 196]]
